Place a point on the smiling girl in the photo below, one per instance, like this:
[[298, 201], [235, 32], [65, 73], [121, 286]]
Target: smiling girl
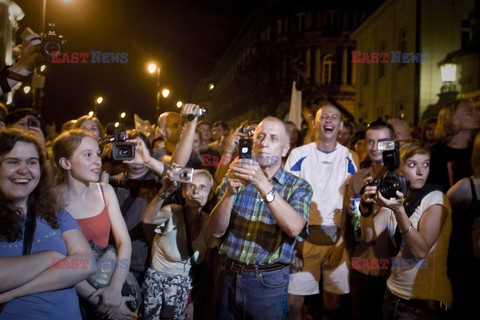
[[95, 207]]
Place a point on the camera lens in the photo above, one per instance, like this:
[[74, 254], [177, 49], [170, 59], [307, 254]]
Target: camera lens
[[388, 190], [51, 46]]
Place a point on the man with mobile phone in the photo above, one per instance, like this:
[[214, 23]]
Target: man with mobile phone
[[262, 211]]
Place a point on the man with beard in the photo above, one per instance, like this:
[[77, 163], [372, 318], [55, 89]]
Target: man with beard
[[326, 165]]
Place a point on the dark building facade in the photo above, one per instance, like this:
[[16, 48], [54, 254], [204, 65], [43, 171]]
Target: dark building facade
[[283, 41]]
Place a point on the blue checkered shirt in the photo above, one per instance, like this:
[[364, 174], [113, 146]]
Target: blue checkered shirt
[[253, 236]]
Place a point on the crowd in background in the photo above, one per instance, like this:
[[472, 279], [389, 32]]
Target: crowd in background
[[274, 221]]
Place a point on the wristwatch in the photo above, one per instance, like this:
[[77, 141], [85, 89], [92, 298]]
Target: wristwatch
[[270, 196]]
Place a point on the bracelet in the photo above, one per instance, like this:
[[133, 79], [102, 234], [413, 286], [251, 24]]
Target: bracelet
[[163, 196], [405, 232]]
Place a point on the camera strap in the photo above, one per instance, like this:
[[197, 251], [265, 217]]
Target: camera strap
[[412, 201]]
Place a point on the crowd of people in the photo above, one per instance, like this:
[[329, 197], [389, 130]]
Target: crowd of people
[[262, 221]]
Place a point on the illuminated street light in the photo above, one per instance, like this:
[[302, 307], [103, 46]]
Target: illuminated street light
[[211, 86], [122, 115], [91, 113], [98, 101], [42, 68], [117, 124], [26, 89], [165, 93], [152, 68], [179, 104]]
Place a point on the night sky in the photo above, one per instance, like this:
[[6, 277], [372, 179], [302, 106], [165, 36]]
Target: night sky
[[186, 38]]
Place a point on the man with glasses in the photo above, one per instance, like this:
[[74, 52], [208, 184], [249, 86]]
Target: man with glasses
[[368, 275], [326, 165]]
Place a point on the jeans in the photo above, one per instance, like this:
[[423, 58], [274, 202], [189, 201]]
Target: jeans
[[395, 308], [253, 294]]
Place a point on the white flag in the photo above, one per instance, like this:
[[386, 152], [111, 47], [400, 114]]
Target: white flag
[[296, 107], [143, 126]]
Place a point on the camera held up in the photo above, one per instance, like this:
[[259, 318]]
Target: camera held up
[[51, 43], [201, 113], [245, 144], [182, 174], [391, 181], [121, 149]]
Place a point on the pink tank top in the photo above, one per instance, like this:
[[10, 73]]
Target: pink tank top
[[97, 228]]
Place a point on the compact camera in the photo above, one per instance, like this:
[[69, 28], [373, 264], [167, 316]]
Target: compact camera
[[182, 174], [201, 113], [391, 181], [245, 143], [122, 150]]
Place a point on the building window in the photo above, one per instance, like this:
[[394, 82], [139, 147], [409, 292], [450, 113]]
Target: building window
[[402, 43], [381, 66], [331, 19], [365, 74], [328, 74], [299, 24], [278, 27], [380, 112]]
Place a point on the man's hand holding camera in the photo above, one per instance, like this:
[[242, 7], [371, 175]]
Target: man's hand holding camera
[[191, 112], [248, 171]]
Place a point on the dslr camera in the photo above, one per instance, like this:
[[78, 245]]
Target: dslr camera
[[182, 174], [391, 181], [53, 43], [50, 43], [121, 149]]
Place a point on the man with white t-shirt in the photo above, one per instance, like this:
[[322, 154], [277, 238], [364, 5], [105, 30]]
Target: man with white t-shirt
[[326, 165]]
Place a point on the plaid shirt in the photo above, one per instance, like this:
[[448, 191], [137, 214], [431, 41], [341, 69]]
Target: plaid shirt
[[253, 236]]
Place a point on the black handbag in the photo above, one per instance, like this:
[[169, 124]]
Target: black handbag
[[106, 262]]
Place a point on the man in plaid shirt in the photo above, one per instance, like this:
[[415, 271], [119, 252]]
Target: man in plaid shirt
[[262, 211]]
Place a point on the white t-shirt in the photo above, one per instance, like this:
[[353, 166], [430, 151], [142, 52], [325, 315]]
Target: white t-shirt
[[170, 252], [425, 278], [327, 173]]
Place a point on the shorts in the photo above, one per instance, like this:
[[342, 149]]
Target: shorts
[[306, 282]]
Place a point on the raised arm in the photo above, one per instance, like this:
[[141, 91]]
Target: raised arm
[[154, 213], [183, 150]]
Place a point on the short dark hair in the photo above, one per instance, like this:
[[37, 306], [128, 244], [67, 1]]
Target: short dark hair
[[14, 116], [380, 124], [224, 125]]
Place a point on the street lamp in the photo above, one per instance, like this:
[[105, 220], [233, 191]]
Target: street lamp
[[153, 68], [165, 93], [90, 113], [98, 101], [179, 104], [123, 115], [26, 89]]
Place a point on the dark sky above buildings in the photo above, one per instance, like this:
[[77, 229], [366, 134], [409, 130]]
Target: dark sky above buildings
[[185, 38]]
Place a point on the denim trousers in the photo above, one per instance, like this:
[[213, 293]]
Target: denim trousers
[[395, 308], [253, 294]]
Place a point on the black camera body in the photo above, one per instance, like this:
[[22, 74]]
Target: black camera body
[[53, 43], [122, 150], [245, 143], [391, 181]]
